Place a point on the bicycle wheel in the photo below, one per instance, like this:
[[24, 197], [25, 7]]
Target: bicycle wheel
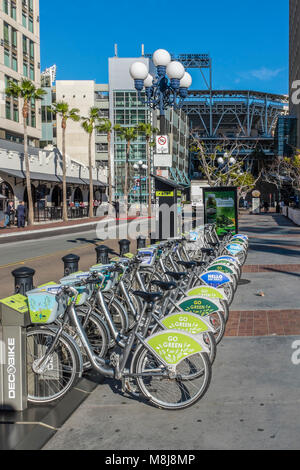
[[167, 392], [98, 336], [218, 322], [61, 371]]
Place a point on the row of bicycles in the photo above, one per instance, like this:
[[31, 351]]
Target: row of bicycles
[[151, 321]]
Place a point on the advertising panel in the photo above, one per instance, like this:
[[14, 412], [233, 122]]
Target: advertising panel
[[220, 207]]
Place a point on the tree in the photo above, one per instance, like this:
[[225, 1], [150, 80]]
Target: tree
[[148, 130], [89, 124], [27, 91], [129, 134], [284, 171], [106, 126], [225, 166], [63, 110]]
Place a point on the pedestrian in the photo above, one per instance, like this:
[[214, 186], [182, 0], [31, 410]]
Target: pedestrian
[[281, 204], [8, 213], [117, 208], [266, 206], [21, 214]]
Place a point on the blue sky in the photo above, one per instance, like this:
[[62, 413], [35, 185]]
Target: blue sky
[[247, 40]]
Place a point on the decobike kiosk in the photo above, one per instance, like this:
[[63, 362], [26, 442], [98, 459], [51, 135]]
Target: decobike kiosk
[[168, 196]]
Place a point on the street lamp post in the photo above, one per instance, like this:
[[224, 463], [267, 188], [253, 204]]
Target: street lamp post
[[169, 88], [139, 167]]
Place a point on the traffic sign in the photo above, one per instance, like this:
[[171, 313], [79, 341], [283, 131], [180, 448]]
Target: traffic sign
[[162, 144]]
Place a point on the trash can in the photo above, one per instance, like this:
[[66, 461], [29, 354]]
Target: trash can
[[14, 317]]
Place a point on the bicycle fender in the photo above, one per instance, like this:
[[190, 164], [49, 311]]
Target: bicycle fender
[[188, 322], [172, 346], [215, 278], [199, 305], [209, 292]]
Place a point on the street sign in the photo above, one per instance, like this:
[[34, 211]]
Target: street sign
[[162, 144], [163, 160]]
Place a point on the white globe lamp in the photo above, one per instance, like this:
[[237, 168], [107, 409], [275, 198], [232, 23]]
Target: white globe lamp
[[139, 72], [175, 72], [148, 82]]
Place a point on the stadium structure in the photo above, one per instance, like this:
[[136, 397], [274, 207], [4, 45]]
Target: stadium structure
[[244, 118]]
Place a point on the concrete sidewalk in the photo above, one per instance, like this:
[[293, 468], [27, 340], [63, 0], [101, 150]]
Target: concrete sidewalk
[[252, 403], [253, 399]]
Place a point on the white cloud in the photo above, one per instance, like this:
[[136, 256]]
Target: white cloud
[[263, 74]]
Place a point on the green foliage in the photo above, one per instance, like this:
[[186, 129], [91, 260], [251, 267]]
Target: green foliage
[[63, 110], [26, 90]]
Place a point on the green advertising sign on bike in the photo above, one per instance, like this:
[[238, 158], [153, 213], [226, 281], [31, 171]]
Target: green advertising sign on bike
[[199, 305], [173, 346]]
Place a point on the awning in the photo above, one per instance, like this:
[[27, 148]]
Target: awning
[[169, 182], [71, 180], [44, 177], [95, 183], [14, 173], [33, 176]]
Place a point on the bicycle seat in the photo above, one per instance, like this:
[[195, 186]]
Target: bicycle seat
[[214, 244], [176, 276], [187, 264], [207, 251], [200, 263], [149, 297], [164, 285]]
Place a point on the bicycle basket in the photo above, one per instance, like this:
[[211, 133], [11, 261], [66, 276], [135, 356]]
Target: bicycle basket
[[148, 257], [44, 304], [84, 292], [110, 277]]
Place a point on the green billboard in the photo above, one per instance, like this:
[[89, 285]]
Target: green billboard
[[220, 207]]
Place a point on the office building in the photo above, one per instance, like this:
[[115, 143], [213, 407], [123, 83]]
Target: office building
[[19, 58], [294, 59], [126, 109]]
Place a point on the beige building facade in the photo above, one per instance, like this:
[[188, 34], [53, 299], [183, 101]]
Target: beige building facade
[[19, 58], [294, 58], [83, 95]]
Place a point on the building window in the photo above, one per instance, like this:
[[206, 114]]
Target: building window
[[25, 46], [5, 6], [13, 12], [14, 63], [14, 37], [32, 74], [24, 20], [31, 49], [6, 58], [16, 113], [8, 110], [30, 24], [25, 69], [33, 119], [6, 33]]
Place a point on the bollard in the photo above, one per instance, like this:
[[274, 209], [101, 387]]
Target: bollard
[[124, 247], [102, 254], [71, 264], [141, 242], [14, 318], [23, 280]]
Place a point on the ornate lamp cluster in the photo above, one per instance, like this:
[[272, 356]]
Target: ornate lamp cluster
[[168, 88]]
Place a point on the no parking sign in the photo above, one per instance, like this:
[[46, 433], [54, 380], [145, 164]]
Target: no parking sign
[[162, 144]]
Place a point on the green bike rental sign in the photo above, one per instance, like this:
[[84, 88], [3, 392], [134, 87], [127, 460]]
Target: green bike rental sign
[[221, 208]]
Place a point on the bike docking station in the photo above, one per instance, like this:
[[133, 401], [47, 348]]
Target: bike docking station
[[15, 318]]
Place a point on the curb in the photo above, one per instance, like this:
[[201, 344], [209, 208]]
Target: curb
[[32, 428]]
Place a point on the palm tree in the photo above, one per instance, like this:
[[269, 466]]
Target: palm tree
[[62, 109], [89, 124], [148, 130], [129, 134], [28, 92], [106, 126]]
